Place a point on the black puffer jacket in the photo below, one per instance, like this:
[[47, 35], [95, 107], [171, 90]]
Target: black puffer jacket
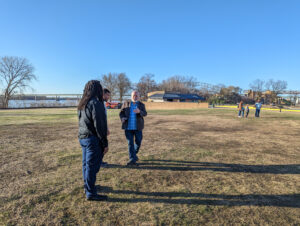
[[93, 122]]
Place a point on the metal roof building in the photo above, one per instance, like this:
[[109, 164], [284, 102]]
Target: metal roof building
[[161, 96]]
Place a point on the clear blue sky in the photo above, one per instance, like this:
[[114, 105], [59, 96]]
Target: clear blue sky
[[232, 42]]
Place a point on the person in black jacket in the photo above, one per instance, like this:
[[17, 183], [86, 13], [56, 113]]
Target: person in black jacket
[[132, 116], [92, 136]]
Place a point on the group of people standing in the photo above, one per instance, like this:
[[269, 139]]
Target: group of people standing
[[242, 109], [93, 132]]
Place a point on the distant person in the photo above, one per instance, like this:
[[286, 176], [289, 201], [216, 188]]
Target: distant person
[[92, 136], [241, 109], [258, 106], [106, 96], [247, 110], [132, 116]]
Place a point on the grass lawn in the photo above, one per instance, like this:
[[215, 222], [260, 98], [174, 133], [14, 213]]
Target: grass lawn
[[204, 166]]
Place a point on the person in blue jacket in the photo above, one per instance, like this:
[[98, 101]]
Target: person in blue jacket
[[258, 106]]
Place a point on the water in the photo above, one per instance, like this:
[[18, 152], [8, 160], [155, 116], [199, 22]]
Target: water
[[41, 103]]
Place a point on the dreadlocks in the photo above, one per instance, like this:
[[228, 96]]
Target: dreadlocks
[[92, 89]]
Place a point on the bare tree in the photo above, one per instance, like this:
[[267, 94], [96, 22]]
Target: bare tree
[[257, 86], [123, 85], [109, 81], [179, 83], [215, 89], [145, 85], [204, 88], [15, 74], [276, 87], [190, 83], [173, 84]]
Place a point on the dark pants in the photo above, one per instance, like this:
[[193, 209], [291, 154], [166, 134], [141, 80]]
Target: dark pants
[[247, 113], [134, 139], [257, 112], [92, 154]]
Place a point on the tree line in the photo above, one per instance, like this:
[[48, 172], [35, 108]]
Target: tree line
[[120, 84], [17, 73]]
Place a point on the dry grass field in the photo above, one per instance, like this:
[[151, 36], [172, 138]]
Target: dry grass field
[[203, 166]]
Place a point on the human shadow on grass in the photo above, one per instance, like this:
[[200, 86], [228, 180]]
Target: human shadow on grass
[[291, 200], [176, 165]]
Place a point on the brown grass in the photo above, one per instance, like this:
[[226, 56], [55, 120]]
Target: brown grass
[[203, 166]]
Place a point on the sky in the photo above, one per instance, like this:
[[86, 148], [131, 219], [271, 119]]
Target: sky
[[232, 42]]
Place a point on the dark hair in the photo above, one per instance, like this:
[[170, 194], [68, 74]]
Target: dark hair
[[106, 91], [92, 89]]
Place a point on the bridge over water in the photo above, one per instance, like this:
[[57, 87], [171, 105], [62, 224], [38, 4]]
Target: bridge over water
[[55, 97]]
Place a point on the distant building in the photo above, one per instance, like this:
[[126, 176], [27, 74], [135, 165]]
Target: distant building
[[162, 96]]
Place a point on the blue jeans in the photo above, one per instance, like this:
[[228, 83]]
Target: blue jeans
[[133, 146], [257, 112], [241, 112], [92, 154]]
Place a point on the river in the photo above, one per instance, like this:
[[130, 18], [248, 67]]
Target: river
[[41, 103]]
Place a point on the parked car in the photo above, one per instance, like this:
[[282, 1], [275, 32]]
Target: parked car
[[113, 105]]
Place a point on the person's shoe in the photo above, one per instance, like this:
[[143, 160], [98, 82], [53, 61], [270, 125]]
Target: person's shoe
[[104, 164], [97, 198], [131, 163]]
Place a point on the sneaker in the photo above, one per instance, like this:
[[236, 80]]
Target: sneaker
[[97, 198], [131, 163]]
